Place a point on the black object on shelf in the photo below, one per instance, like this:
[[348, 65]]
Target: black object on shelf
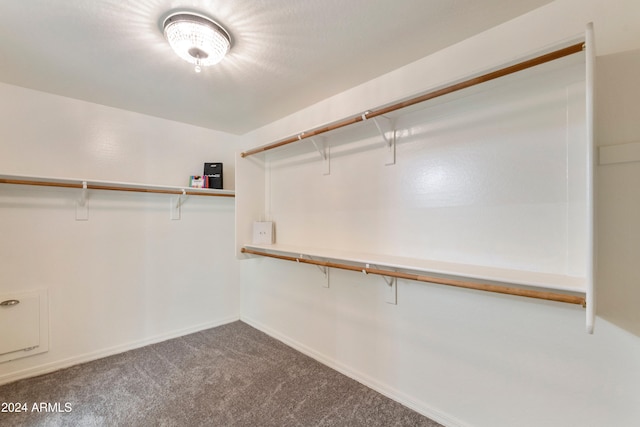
[[214, 173]]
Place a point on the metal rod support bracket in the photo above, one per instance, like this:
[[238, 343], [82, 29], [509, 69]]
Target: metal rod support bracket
[[323, 149], [82, 205], [83, 194], [320, 148], [391, 288], [175, 212], [323, 269], [387, 132], [181, 198]]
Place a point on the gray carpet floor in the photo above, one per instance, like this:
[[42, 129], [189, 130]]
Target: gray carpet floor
[[232, 375]]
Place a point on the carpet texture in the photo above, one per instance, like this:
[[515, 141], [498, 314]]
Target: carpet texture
[[232, 375]]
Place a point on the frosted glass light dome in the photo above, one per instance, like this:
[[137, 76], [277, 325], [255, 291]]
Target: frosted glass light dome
[[196, 38]]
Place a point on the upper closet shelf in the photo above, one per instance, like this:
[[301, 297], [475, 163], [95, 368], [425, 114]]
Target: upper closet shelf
[[377, 115], [112, 185], [444, 272]]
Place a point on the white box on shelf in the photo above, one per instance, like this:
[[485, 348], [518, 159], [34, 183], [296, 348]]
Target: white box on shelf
[[263, 233]]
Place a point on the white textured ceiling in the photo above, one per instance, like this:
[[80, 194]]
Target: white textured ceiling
[[287, 54]]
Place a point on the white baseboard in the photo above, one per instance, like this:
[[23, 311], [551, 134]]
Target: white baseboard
[[362, 378], [94, 355]]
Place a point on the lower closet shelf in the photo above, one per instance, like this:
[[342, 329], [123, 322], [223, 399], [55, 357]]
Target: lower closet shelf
[[490, 279]]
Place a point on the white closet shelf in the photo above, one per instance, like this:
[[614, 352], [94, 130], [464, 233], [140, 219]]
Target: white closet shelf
[[516, 280], [111, 185], [447, 271], [436, 93]]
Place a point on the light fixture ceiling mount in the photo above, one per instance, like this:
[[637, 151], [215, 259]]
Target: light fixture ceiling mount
[[196, 38]]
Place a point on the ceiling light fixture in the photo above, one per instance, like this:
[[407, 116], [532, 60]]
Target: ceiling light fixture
[[196, 38]]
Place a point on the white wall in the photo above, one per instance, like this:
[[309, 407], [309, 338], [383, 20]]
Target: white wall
[[463, 357], [619, 199], [129, 275], [491, 169]]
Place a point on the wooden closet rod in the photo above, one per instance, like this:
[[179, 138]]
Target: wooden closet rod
[[550, 296], [111, 187], [548, 57]]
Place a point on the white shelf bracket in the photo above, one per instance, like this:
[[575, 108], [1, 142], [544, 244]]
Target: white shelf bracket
[[391, 291], [324, 270], [390, 288], [388, 133], [176, 204], [323, 149], [82, 205]]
